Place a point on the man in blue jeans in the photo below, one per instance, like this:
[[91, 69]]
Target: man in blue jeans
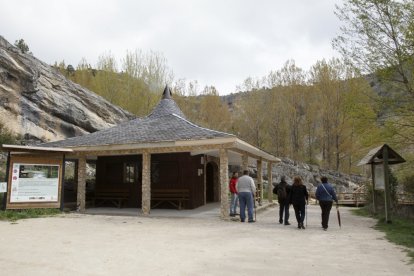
[[246, 189]]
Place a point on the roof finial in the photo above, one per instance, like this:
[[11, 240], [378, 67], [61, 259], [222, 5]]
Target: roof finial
[[167, 93]]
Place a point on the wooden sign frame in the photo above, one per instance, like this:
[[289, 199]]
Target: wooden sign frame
[[34, 160]]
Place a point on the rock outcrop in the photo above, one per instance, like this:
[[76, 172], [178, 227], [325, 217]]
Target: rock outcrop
[[40, 104], [311, 175]]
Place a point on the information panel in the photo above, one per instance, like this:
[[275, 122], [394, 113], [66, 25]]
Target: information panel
[[379, 177], [34, 183]]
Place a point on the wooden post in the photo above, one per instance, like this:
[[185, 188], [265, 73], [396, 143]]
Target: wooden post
[[224, 178], [387, 190], [81, 191], [62, 191], [146, 183], [205, 178], [270, 182], [7, 181], [374, 192], [260, 180]]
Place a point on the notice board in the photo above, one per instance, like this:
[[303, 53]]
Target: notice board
[[34, 182]]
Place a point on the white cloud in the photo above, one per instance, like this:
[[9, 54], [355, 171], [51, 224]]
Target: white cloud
[[216, 42]]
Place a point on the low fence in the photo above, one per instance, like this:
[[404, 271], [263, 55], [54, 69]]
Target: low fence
[[405, 199], [360, 198], [354, 199]]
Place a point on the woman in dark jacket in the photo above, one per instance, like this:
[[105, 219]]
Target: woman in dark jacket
[[299, 198]]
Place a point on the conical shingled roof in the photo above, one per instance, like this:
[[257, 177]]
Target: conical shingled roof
[[166, 106], [165, 123]]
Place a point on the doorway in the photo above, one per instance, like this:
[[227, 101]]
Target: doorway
[[211, 182]]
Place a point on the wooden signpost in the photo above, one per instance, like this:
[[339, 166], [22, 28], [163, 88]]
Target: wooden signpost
[[380, 158]]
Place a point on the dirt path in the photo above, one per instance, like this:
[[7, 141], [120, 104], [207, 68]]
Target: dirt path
[[113, 245]]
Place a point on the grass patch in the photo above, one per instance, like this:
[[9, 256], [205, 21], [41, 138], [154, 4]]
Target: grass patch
[[13, 215], [361, 212], [400, 231]]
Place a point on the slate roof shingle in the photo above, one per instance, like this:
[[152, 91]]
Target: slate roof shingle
[[165, 123]]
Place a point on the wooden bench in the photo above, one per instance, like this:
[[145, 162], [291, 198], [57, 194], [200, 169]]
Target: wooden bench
[[115, 196], [175, 197]]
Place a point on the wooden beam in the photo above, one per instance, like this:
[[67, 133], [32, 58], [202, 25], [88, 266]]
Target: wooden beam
[[243, 153], [62, 191], [374, 191], [20, 148], [8, 169], [153, 150]]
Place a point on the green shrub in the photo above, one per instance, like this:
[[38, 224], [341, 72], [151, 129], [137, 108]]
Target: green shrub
[[407, 182], [6, 136]]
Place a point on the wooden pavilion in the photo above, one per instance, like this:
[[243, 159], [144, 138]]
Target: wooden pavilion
[[159, 159]]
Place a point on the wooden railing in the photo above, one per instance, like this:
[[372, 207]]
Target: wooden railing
[[405, 199], [355, 199], [360, 198]]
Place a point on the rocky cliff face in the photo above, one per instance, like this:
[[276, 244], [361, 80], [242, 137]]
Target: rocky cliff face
[[40, 104]]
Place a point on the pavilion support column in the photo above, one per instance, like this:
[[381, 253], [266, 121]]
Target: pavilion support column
[[270, 182], [146, 183], [224, 187], [260, 180], [81, 193], [245, 162]]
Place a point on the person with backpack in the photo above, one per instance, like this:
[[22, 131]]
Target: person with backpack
[[234, 197], [282, 190], [325, 194], [299, 198]]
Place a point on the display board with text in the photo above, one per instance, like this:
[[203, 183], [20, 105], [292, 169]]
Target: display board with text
[[34, 182]]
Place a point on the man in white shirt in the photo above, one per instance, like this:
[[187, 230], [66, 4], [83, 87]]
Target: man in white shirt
[[246, 190]]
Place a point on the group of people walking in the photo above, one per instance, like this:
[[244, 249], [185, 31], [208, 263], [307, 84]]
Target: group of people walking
[[243, 190], [298, 196]]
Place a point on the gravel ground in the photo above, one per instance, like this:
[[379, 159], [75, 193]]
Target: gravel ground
[[76, 244]]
